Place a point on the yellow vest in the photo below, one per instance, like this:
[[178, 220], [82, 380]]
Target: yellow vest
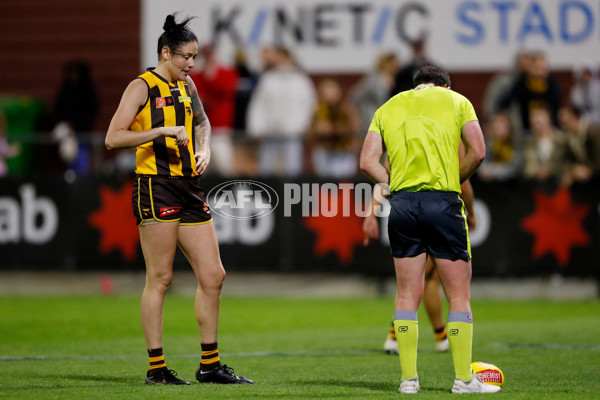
[[421, 129]]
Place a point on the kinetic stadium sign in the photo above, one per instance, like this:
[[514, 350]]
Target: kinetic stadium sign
[[347, 36]]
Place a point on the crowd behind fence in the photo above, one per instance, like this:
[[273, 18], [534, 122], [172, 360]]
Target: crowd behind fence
[[280, 122]]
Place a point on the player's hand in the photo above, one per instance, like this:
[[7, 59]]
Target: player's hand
[[370, 228], [202, 160], [178, 133]]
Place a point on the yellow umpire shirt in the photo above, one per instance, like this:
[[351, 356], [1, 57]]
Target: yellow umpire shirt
[[421, 129]]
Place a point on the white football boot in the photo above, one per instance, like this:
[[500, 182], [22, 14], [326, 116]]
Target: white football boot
[[442, 346], [390, 345], [409, 387], [474, 386]]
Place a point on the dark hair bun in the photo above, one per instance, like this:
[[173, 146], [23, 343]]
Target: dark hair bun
[[170, 23], [175, 34]]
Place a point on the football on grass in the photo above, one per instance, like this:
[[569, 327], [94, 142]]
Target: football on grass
[[488, 373]]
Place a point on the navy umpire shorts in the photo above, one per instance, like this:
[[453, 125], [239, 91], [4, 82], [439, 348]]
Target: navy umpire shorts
[[428, 222]]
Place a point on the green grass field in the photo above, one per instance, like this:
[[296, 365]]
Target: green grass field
[[92, 348]]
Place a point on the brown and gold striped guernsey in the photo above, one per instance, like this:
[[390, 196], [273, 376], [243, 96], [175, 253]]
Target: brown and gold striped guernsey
[[168, 104]]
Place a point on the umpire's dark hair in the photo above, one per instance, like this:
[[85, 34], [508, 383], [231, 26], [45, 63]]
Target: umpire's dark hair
[[432, 74], [175, 34]]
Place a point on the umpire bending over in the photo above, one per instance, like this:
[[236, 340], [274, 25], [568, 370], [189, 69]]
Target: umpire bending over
[[421, 130]]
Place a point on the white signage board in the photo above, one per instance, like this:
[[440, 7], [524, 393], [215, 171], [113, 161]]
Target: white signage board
[[345, 36]]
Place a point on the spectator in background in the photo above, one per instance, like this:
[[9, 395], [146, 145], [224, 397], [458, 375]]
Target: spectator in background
[[585, 94], [244, 149], [502, 84], [247, 81], [374, 89], [542, 149], [6, 150], [581, 158], [503, 157], [534, 90], [76, 109], [217, 84], [269, 57], [333, 133], [280, 113], [405, 76]]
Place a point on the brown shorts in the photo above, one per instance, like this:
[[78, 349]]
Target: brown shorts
[[168, 199]]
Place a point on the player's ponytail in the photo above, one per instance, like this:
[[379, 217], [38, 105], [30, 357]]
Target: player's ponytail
[[175, 34]]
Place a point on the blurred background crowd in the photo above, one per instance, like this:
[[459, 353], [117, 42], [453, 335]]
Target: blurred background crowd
[[279, 120]]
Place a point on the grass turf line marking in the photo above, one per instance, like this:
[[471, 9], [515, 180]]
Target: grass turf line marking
[[533, 346], [548, 346], [252, 354]]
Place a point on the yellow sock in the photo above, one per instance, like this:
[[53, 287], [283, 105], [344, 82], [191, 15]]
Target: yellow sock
[[460, 336], [407, 337]]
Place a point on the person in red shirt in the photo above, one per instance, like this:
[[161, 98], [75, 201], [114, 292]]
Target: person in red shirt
[[217, 84]]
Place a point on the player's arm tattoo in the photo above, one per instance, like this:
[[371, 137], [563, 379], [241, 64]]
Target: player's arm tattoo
[[201, 124]]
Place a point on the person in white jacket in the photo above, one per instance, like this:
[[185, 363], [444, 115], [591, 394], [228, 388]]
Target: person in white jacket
[[280, 113], [585, 94]]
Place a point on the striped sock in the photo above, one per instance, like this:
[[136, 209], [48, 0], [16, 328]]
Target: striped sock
[[157, 360], [210, 357], [441, 334], [392, 331]]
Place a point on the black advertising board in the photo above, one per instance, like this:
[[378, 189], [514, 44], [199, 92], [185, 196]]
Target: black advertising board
[[306, 225]]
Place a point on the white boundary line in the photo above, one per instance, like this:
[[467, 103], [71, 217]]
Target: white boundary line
[[300, 353]]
